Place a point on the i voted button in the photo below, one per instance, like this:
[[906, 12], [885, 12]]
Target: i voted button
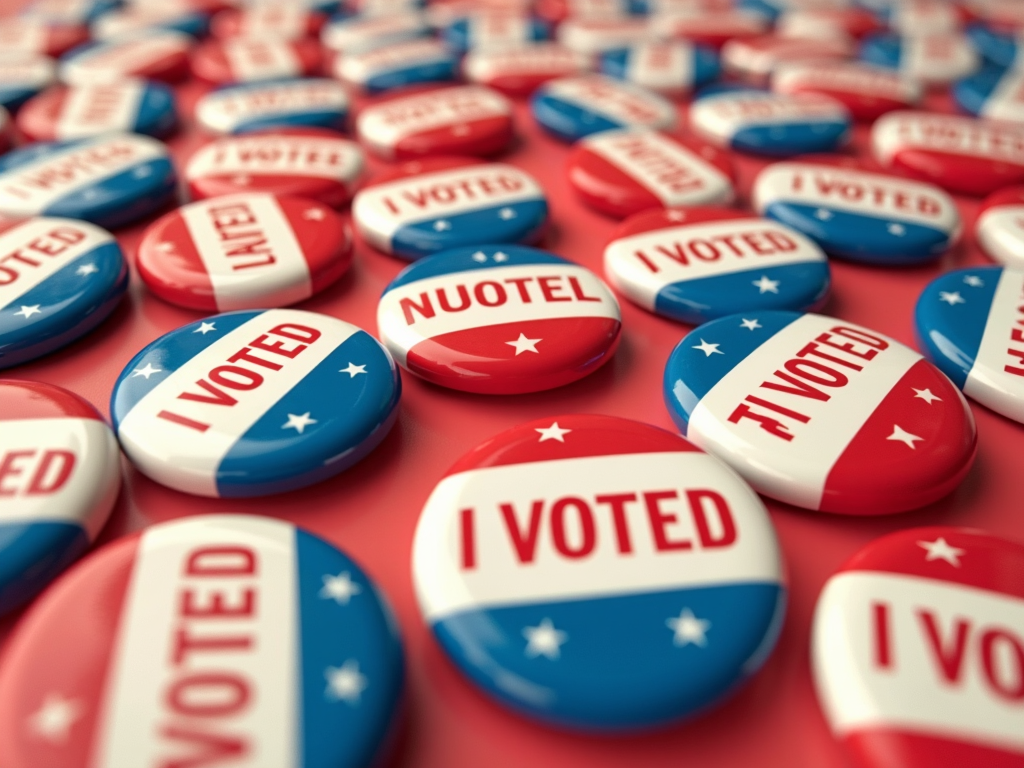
[[518, 72], [999, 228], [316, 102], [458, 120], [934, 59], [698, 264], [557, 549], [857, 215], [73, 112], [151, 54], [253, 60], [960, 154], [60, 472], [413, 62], [772, 124], [867, 91], [499, 319], [969, 323], [426, 206], [208, 636], [306, 162], [622, 172], [918, 653], [992, 94], [59, 279], [22, 76], [253, 403], [821, 413], [671, 68], [110, 180]]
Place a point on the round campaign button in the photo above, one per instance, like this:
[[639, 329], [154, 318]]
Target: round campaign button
[[671, 68], [492, 30], [862, 216], [254, 403], [961, 154], [457, 120], [699, 264], [309, 101], [918, 653], [499, 320], [969, 323], [562, 546], [33, 35], [59, 279], [626, 171], [932, 59], [999, 228], [140, 18], [207, 636], [866, 90], [289, 22], [596, 35], [254, 60], [394, 66], [362, 34], [821, 413], [426, 206], [307, 162], [110, 180], [22, 76], [772, 124], [711, 28], [60, 471], [68, 11], [993, 94], [521, 71], [998, 48], [152, 54], [244, 251], [573, 107], [755, 59], [925, 17], [818, 23], [76, 111]]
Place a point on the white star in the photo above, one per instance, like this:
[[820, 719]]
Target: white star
[[441, 225], [940, 549], [688, 629], [506, 213], [554, 432], [764, 285], [926, 395], [87, 269], [951, 298], [708, 349], [752, 325], [345, 683], [240, 180], [897, 229], [298, 423], [822, 215], [204, 328], [313, 214], [974, 281], [480, 257], [676, 215], [461, 130], [544, 640], [353, 370], [55, 716], [523, 344], [147, 371], [903, 436], [339, 588], [500, 257], [27, 312], [165, 247], [142, 172]]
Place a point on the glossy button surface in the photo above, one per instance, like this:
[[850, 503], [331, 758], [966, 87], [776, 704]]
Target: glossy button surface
[[867, 91], [252, 60], [821, 413], [520, 71], [556, 549], [999, 228], [254, 403], [22, 76], [38, 36], [152, 54], [935, 59], [993, 95], [314, 101], [397, 65], [494, 30], [671, 68], [289, 22], [755, 59], [364, 33]]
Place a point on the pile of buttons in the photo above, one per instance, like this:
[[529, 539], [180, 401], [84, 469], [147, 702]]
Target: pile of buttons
[[727, 294]]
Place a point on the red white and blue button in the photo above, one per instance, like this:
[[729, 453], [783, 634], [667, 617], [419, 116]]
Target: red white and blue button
[[59, 279], [936, 59], [254, 60], [254, 403], [822, 22], [289, 22], [22, 76], [397, 65], [671, 68], [312, 101], [131, 19], [999, 228], [993, 95], [68, 11], [560, 548], [999, 48], [36, 35], [821, 413], [917, 651], [595, 35], [521, 71], [499, 319], [60, 472], [494, 31], [867, 91], [426, 206], [6, 130], [755, 59], [698, 264], [152, 54], [362, 34], [235, 633], [713, 28], [862, 216]]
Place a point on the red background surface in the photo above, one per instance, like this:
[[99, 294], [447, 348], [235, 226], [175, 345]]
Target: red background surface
[[371, 510]]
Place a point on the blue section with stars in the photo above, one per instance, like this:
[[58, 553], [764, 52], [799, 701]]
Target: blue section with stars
[[470, 259], [622, 662], [443, 69], [711, 351], [950, 319], [568, 120]]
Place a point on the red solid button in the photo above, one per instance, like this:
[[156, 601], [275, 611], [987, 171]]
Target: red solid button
[[631, 170], [867, 91], [519, 72], [249, 60], [274, 21], [244, 251], [460, 120]]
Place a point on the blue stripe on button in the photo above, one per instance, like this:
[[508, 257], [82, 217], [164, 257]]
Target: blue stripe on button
[[442, 70], [788, 139], [883, 49], [567, 120], [34, 553]]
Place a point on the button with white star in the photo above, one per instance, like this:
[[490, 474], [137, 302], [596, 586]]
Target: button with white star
[[999, 228], [499, 319], [423, 207], [303, 626], [556, 550], [49, 300], [312, 102], [969, 323], [821, 413], [697, 264], [918, 650], [873, 218], [244, 251], [252, 403]]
